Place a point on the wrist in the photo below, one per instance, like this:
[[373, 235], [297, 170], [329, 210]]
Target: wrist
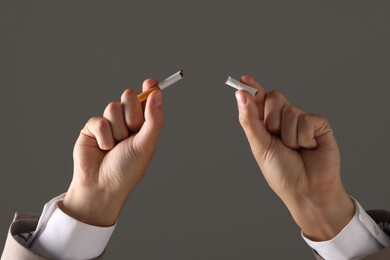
[[322, 219], [91, 206]]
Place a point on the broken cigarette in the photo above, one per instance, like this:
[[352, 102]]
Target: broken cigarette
[[238, 85], [161, 85]]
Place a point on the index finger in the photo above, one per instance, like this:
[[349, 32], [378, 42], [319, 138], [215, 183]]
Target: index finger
[[259, 98]]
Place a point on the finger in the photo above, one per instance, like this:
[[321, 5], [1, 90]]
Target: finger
[[289, 126], [132, 110], [258, 137], [149, 83], [99, 129], [260, 95], [314, 131], [273, 107], [147, 137], [146, 85], [114, 114]]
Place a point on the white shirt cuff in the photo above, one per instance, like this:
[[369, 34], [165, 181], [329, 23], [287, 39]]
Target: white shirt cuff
[[361, 237], [59, 236]]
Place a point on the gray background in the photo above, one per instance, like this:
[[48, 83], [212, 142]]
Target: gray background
[[203, 196]]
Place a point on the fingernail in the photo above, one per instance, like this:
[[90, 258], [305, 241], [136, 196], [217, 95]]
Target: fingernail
[[241, 99], [158, 99]]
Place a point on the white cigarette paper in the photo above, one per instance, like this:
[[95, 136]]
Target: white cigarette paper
[[171, 79], [238, 85]]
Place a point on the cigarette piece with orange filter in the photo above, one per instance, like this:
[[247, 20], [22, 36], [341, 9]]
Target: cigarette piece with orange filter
[[161, 85]]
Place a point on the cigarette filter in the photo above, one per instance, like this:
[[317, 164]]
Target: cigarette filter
[[161, 85], [238, 85]]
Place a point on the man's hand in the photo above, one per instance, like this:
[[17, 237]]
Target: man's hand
[[111, 156], [299, 157]]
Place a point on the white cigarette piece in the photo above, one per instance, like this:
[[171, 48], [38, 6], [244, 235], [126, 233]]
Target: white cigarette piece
[[238, 85], [161, 85], [171, 80]]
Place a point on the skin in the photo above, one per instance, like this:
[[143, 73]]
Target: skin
[[299, 158], [296, 152], [111, 156]]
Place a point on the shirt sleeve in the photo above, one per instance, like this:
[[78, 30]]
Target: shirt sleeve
[[59, 236], [361, 237]]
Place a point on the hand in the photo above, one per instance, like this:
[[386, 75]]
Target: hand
[[299, 158], [111, 156]]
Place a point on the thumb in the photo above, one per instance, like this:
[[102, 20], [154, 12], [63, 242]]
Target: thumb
[[258, 137], [149, 133]]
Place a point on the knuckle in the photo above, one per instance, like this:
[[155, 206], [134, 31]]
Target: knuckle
[[305, 119], [325, 120], [128, 93], [290, 110], [101, 124], [275, 95], [92, 121], [113, 107]]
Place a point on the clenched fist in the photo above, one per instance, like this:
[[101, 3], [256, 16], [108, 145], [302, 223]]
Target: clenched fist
[[111, 156], [299, 157]]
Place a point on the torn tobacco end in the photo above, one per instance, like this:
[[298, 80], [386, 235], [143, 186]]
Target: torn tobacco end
[[171, 80]]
